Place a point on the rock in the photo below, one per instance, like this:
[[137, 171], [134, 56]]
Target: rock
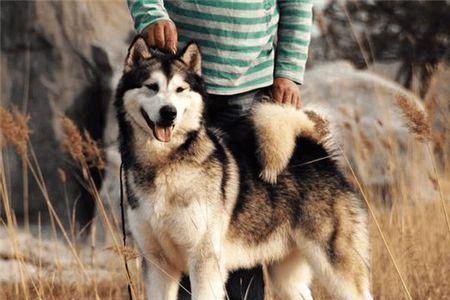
[[14, 271], [371, 130], [59, 57], [27, 257]]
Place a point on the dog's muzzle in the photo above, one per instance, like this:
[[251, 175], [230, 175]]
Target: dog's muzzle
[[163, 128]]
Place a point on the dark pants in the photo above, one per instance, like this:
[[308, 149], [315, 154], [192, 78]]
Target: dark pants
[[224, 112]]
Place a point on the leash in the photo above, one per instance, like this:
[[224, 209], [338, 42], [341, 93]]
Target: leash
[[124, 234]]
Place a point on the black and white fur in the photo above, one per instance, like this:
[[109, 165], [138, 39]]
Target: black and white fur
[[203, 202]]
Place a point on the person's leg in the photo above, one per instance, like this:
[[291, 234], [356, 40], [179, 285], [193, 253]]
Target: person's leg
[[241, 284], [225, 111], [246, 284]]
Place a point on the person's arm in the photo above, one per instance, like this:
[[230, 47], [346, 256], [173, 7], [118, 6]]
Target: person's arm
[[294, 34], [152, 21]]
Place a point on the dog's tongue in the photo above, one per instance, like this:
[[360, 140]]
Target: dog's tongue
[[163, 134]]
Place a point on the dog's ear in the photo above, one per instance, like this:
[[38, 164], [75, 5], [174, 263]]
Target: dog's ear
[[137, 52], [192, 57]]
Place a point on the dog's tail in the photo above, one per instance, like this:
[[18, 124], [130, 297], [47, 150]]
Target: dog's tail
[[277, 128]]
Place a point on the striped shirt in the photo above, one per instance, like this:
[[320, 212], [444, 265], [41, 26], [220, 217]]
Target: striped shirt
[[244, 44]]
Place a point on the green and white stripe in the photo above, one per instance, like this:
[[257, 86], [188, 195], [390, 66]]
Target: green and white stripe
[[240, 45]]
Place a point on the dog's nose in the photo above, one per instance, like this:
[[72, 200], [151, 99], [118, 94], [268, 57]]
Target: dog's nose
[[168, 113]]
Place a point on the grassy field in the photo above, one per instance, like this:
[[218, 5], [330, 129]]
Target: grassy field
[[410, 241]]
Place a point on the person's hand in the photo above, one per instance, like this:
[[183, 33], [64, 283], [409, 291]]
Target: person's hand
[[163, 35], [286, 91]]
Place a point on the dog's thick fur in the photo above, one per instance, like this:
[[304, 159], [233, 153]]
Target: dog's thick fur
[[203, 202]]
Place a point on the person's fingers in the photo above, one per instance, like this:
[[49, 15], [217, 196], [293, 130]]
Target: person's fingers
[[149, 37], [299, 102], [159, 35], [171, 36], [287, 97], [299, 94], [294, 99], [278, 95]]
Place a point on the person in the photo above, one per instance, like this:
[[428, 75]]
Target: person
[[251, 50]]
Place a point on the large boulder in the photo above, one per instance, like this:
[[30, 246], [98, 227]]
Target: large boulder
[[59, 57], [372, 131], [29, 260]]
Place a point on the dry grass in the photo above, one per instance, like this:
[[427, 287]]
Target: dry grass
[[416, 118], [414, 248], [14, 130], [82, 148], [419, 241]]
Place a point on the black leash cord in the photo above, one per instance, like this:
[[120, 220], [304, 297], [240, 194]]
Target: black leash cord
[[124, 233]]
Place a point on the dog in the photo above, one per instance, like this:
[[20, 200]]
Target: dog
[[204, 202]]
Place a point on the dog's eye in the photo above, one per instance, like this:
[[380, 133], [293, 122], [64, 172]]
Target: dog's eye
[[153, 87], [180, 89]]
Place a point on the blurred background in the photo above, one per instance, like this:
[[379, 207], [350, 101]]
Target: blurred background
[[60, 63]]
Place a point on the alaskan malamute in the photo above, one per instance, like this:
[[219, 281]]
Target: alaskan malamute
[[202, 202]]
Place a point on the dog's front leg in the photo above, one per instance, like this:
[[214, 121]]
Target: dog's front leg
[[207, 275], [161, 280]]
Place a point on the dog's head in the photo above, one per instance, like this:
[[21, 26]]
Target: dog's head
[[161, 93]]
